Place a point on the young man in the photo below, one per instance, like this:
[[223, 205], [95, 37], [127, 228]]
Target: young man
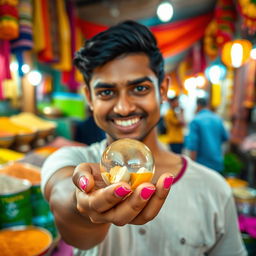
[[125, 85], [207, 131]]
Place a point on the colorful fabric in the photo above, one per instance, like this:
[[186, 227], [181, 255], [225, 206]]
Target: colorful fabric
[[4, 64], [24, 40], [9, 28], [65, 59], [68, 77], [46, 54], [173, 38], [38, 27]]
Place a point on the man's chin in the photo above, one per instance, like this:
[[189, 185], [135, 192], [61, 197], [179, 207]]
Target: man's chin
[[127, 136]]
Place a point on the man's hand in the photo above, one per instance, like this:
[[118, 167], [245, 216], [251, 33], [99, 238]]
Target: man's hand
[[117, 203]]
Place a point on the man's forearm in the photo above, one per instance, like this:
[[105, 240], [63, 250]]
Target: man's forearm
[[75, 229]]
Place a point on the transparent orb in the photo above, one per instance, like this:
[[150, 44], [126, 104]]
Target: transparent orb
[[127, 160]]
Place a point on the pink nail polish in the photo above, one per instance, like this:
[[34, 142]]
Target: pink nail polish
[[147, 192], [83, 182], [122, 191], [168, 182]]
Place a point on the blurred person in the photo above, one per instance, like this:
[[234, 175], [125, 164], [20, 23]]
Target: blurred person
[[174, 122], [125, 84], [206, 136], [87, 131]]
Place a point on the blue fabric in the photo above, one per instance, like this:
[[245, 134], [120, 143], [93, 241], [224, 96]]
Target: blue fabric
[[206, 136]]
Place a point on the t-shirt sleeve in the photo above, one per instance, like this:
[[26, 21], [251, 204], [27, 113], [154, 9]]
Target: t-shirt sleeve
[[229, 239], [66, 156]]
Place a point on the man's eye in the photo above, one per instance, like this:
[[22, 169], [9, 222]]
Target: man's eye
[[141, 88], [105, 93]]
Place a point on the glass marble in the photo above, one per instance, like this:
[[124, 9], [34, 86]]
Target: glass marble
[[127, 160]]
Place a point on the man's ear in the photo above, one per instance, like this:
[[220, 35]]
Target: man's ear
[[88, 96], [164, 88]]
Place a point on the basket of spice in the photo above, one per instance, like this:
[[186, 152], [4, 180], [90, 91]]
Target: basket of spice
[[25, 241], [15, 202], [41, 214]]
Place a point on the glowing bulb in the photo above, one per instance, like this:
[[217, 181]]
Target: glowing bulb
[[14, 66], [171, 93], [34, 77], [236, 55], [215, 74], [200, 81], [25, 68], [164, 11], [190, 83], [253, 53], [201, 93]]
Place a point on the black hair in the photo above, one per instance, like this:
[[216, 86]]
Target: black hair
[[203, 102], [122, 39]]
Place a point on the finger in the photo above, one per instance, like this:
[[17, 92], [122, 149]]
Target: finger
[[83, 178], [128, 209], [157, 200], [104, 199], [108, 197]]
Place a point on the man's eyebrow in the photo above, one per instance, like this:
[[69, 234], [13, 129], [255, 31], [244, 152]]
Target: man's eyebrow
[[140, 80], [99, 85]]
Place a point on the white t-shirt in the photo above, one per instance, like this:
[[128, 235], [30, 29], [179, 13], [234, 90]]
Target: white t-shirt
[[198, 217]]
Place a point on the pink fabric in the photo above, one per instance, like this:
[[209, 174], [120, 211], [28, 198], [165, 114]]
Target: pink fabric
[[4, 64], [247, 224], [63, 249]]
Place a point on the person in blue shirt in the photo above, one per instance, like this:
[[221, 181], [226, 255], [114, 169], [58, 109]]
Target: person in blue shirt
[[206, 136]]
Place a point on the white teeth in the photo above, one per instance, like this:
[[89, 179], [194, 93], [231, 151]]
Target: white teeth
[[127, 122]]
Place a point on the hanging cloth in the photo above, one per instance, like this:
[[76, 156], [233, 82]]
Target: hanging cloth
[[65, 60], [4, 64], [24, 41], [46, 54], [68, 77], [9, 28], [38, 26]]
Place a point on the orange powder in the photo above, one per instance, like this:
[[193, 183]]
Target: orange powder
[[22, 171], [138, 178], [27, 242]]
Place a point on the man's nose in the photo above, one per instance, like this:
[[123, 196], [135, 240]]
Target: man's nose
[[124, 105]]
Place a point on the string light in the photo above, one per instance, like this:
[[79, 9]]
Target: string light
[[165, 11]]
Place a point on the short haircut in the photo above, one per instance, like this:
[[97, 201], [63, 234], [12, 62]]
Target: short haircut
[[203, 102], [125, 38]]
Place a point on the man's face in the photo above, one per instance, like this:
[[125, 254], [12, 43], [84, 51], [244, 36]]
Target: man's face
[[125, 97]]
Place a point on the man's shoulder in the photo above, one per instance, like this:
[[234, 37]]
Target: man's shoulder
[[210, 179]]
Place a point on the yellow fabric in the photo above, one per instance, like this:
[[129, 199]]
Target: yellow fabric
[[79, 43], [38, 27], [65, 63], [216, 95], [174, 133]]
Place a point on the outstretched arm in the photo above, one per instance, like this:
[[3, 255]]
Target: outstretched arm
[[85, 210], [76, 229]]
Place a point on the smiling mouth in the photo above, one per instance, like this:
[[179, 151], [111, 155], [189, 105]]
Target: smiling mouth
[[127, 122]]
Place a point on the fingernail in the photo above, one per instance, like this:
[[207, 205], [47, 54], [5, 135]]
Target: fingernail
[[122, 191], [168, 182], [83, 182], [147, 192]]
